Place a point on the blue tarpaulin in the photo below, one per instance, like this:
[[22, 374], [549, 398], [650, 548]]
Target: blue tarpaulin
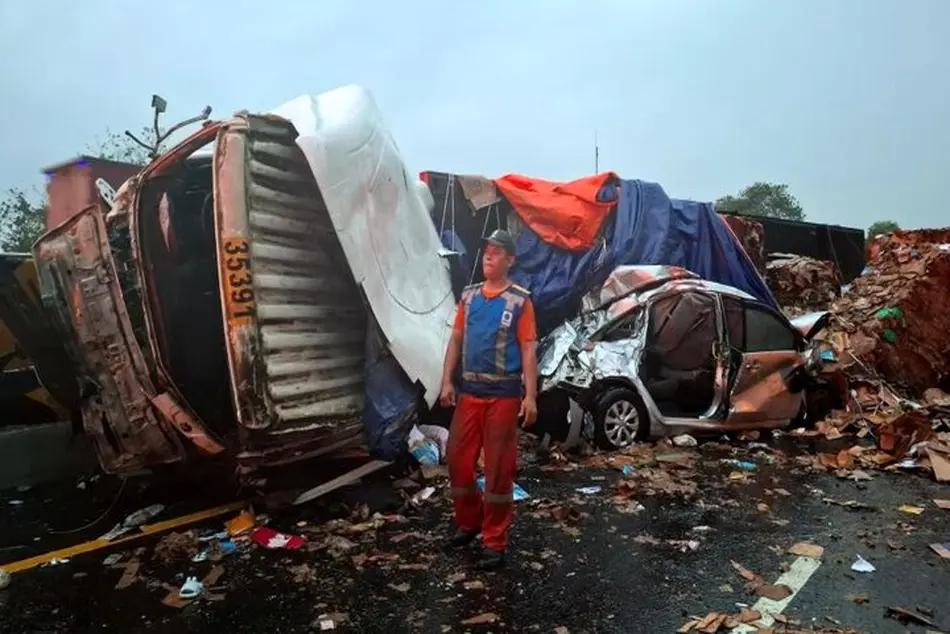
[[652, 228], [391, 399], [647, 227]]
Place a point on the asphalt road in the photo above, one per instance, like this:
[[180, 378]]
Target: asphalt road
[[601, 570]]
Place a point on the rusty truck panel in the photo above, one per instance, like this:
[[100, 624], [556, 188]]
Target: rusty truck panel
[[294, 323], [77, 275]]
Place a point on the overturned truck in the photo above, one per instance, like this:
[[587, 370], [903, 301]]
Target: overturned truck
[[244, 288]]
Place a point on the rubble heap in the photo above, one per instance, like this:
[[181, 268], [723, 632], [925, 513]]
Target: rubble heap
[[751, 235], [801, 284], [895, 318], [895, 239]]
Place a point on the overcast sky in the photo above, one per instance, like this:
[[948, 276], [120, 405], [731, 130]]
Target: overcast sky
[[848, 102]]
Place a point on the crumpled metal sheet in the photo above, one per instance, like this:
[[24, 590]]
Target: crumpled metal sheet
[[564, 355], [568, 359], [381, 216], [626, 280]]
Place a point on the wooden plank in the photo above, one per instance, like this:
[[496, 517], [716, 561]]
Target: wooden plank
[[341, 481], [97, 544]]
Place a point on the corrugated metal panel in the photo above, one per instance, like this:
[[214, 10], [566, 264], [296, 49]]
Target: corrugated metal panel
[[311, 323]]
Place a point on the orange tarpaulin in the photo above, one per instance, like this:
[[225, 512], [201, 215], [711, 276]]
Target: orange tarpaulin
[[567, 215]]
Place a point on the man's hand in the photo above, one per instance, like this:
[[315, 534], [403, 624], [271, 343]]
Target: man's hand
[[529, 411], [447, 397]]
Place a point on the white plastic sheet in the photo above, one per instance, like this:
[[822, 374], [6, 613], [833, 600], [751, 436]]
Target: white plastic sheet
[[381, 216]]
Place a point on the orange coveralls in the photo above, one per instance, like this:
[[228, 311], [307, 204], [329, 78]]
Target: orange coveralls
[[491, 423]]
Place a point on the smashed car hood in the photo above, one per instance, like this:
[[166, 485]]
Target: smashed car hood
[[381, 217]]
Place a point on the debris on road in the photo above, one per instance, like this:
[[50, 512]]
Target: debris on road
[[133, 521], [129, 576], [5, 578], [684, 440], [329, 621], [421, 496], [910, 509], [485, 618], [806, 549], [719, 621], [907, 616], [176, 547], [241, 523], [773, 591], [428, 444], [518, 493], [744, 572], [941, 549], [191, 588], [271, 539], [862, 565], [744, 465], [591, 490]]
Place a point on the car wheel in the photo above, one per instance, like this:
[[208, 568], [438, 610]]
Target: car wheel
[[620, 419]]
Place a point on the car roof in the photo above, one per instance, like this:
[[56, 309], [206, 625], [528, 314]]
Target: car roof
[[625, 281]]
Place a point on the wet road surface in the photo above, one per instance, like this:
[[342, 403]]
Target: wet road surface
[[608, 567]]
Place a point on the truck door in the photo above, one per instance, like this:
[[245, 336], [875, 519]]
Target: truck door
[[82, 293]]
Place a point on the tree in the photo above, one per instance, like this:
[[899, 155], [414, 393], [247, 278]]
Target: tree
[[763, 199], [21, 222], [882, 226], [119, 147]]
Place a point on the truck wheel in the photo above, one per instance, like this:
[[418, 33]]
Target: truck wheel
[[620, 419]]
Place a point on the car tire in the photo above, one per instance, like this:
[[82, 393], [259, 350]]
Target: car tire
[[620, 419]]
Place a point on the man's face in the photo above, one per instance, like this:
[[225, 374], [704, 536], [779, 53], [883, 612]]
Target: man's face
[[496, 262]]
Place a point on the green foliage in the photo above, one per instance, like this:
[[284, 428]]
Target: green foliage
[[21, 222], [881, 227], [763, 199], [23, 217], [119, 147]]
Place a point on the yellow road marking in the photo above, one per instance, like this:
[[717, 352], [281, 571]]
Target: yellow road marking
[[97, 544]]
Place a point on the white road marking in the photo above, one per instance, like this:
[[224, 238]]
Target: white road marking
[[797, 576]]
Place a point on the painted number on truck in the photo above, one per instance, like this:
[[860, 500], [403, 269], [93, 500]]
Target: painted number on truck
[[238, 284]]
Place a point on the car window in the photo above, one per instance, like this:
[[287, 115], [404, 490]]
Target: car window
[[735, 323], [764, 331], [683, 330]]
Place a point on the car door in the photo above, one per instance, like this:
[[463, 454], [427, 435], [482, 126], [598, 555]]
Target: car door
[[767, 359], [682, 368]]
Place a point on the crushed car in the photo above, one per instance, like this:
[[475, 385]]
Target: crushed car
[[225, 303], [659, 351]]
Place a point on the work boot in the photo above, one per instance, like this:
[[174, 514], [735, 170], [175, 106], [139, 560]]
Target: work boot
[[462, 538], [491, 559]]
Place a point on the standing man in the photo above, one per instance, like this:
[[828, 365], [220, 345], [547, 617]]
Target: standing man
[[495, 338]]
